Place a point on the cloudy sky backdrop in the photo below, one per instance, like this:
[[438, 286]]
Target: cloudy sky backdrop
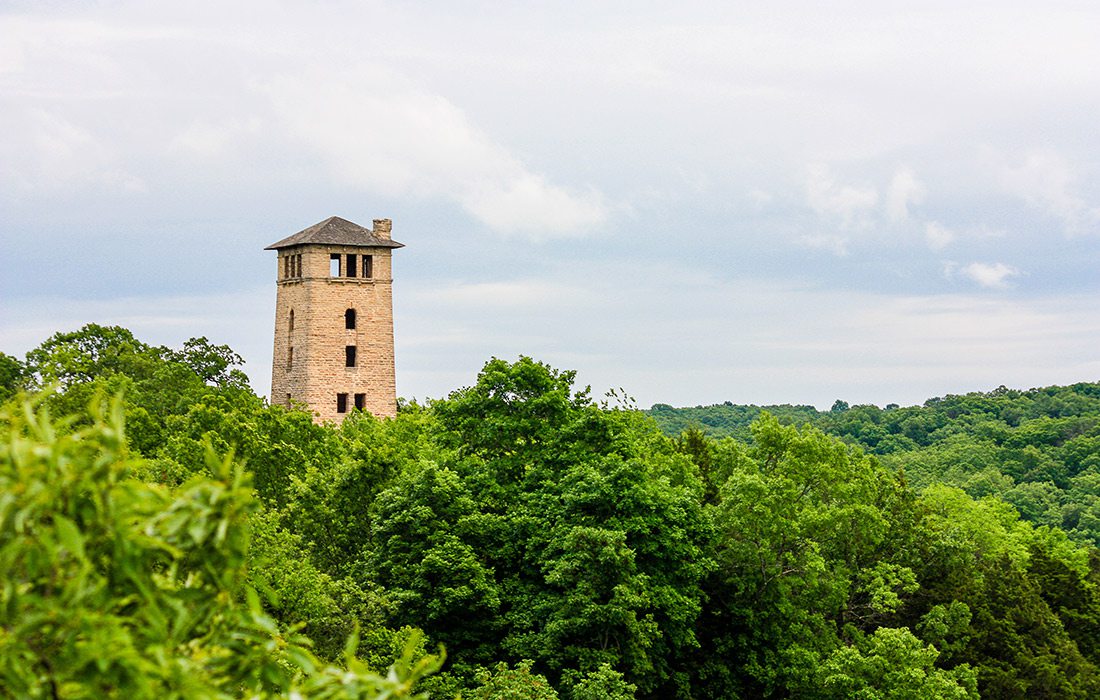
[[780, 202]]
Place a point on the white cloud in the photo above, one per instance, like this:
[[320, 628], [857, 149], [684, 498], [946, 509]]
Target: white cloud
[[937, 235], [378, 131], [527, 202], [1047, 180], [905, 190], [760, 198], [850, 204], [206, 140], [837, 245], [53, 152], [989, 275]]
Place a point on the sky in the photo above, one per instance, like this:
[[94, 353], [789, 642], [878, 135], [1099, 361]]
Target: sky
[[787, 202]]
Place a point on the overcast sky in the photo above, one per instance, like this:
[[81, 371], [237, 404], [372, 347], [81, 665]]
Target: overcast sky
[[753, 202]]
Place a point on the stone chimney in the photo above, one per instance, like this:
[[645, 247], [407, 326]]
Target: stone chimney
[[382, 228]]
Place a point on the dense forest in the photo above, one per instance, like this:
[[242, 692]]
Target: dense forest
[[1038, 450], [166, 533]]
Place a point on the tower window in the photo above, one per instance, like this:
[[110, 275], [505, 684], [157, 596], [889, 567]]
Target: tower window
[[334, 265], [288, 400], [349, 319], [289, 359], [292, 265], [341, 403], [360, 401], [290, 321], [349, 356], [351, 266], [368, 265]]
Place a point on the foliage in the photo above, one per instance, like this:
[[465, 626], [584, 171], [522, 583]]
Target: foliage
[[556, 547], [113, 587], [1038, 449], [891, 664], [604, 683], [519, 683], [13, 376]]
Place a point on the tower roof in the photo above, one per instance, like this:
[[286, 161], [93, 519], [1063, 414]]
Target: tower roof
[[337, 231]]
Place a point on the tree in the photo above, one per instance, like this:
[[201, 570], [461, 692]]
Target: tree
[[604, 683], [804, 553], [890, 664], [519, 683], [433, 577], [13, 376], [113, 587], [157, 383], [513, 411]]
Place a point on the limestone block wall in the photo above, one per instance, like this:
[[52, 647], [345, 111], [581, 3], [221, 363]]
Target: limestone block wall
[[309, 356]]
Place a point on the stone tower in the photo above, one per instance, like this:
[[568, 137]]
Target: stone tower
[[334, 320]]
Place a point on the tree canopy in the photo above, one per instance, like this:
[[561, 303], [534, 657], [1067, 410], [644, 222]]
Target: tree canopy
[[165, 532]]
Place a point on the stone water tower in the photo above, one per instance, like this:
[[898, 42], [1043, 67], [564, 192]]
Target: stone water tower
[[334, 320]]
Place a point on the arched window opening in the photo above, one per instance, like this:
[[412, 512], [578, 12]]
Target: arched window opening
[[349, 319], [291, 320]]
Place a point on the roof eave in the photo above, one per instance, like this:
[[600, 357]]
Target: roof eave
[[286, 243]]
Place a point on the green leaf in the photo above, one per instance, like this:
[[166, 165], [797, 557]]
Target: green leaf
[[69, 536]]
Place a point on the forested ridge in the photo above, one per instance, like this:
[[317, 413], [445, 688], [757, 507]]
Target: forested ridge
[[166, 533], [1037, 449]]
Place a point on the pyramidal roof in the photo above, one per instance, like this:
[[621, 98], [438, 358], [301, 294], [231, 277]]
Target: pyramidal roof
[[337, 231]]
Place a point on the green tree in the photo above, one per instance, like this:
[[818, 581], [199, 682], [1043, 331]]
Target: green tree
[[157, 383], [604, 683], [519, 683], [433, 577], [13, 376], [807, 547], [113, 587], [890, 664]]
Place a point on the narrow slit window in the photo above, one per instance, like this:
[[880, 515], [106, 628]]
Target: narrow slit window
[[289, 359], [290, 321], [360, 401], [368, 265], [341, 403], [286, 266], [351, 266], [349, 356], [298, 265], [334, 265], [349, 319], [288, 400]]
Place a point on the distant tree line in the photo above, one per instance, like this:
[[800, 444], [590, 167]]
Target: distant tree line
[[1038, 450]]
